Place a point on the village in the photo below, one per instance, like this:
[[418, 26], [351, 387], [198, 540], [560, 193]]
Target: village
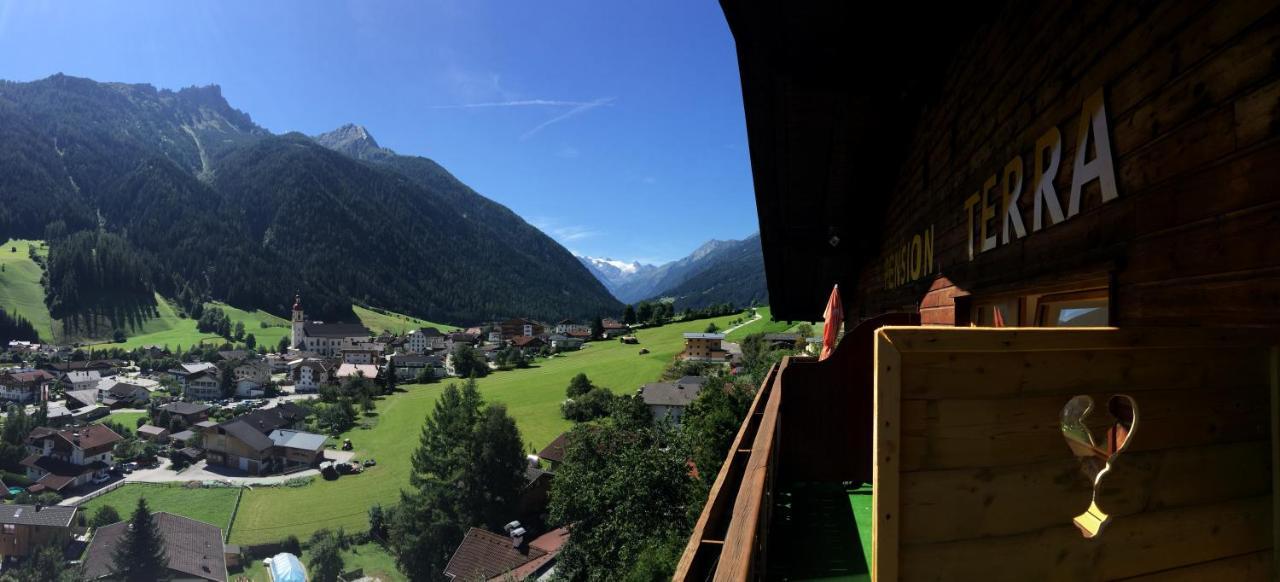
[[233, 417]]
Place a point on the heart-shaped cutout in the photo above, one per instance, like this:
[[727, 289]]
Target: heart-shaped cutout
[[1096, 438]]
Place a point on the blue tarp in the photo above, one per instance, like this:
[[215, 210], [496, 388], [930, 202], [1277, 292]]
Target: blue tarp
[[287, 568]]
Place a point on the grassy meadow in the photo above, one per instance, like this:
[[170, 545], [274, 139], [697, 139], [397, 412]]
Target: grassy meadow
[[212, 505], [20, 289], [532, 397]]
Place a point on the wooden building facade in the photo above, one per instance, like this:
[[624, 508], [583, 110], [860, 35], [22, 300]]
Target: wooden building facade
[[987, 175]]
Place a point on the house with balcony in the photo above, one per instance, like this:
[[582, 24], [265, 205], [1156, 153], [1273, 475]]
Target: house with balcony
[[520, 327], [27, 528], [425, 340], [1046, 229], [26, 386], [58, 459], [261, 442], [704, 347], [311, 373]]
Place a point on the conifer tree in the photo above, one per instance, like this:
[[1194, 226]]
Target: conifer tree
[[140, 554]]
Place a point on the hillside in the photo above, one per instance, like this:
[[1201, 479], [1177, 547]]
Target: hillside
[[20, 289], [220, 209], [731, 273]]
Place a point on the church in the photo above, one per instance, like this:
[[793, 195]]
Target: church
[[326, 339]]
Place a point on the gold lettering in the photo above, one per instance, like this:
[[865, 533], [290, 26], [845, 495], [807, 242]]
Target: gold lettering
[[969, 203], [916, 257], [1010, 193], [1101, 168], [928, 250], [988, 213], [1045, 196]]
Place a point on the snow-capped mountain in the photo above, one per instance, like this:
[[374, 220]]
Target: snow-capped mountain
[[721, 262]]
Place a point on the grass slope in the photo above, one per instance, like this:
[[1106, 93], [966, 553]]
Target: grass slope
[[20, 290], [765, 324], [394, 322], [212, 505], [265, 327], [129, 420], [532, 397]]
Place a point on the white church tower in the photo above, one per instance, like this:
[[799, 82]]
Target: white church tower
[[297, 338]]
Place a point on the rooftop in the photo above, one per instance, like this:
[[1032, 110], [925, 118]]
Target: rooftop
[[296, 439], [48, 515], [194, 548], [706, 336]]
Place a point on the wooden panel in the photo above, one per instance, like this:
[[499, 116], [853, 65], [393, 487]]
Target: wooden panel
[[1153, 480], [917, 339], [1254, 567], [995, 374], [940, 506], [1127, 548], [951, 434]]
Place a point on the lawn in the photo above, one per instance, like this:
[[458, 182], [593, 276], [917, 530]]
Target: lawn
[[395, 322], [372, 558], [20, 289], [211, 505], [532, 397], [266, 328], [765, 324], [129, 420]]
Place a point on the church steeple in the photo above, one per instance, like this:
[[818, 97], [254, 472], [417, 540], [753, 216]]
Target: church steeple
[[297, 337]]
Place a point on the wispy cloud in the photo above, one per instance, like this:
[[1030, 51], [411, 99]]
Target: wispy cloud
[[577, 110], [517, 103], [564, 233], [568, 152]]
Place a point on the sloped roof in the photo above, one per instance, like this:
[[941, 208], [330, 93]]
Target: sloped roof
[[194, 548], [296, 439], [669, 393], [335, 330], [484, 554], [185, 408], [556, 449], [247, 434], [46, 516], [85, 437]]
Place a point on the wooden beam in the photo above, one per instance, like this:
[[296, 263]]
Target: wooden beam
[[885, 476]]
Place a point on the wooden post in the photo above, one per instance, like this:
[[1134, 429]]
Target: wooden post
[[1275, 461], [884, 503]]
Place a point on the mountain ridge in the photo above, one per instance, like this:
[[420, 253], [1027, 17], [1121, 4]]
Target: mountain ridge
[[672, 279], [224, 209]]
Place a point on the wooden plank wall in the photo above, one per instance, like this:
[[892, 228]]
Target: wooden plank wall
[[974, 480], [1193, 99]]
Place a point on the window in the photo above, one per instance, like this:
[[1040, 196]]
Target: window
[[1076, 308], [1079, 309]]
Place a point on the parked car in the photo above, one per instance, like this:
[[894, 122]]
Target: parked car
[[100, 479]]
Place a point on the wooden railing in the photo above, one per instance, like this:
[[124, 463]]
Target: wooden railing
[[821, 432], [728, 540]]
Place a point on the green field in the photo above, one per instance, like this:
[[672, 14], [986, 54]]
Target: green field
[[269, 336], [211, 505], [395, 322], [20, 289], [532, 396], [129, 420], [765, 324], [371, 558]]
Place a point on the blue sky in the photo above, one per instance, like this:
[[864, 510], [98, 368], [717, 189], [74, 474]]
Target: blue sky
[[617, 127]]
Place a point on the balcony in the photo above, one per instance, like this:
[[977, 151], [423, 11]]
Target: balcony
[[972, 439]]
